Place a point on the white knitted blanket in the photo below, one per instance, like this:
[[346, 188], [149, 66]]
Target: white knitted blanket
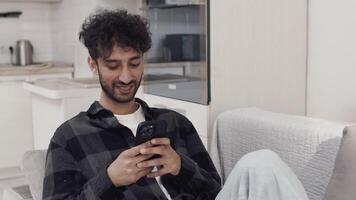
[[308, 146]]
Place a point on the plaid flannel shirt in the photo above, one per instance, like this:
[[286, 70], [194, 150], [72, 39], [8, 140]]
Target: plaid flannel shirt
[[83, 147]]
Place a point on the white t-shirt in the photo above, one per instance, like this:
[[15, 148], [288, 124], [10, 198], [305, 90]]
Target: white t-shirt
[[131, 121]]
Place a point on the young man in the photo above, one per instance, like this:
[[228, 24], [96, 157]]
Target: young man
[[94, 156]]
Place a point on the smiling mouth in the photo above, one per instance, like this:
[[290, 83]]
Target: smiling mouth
[[126, 89]]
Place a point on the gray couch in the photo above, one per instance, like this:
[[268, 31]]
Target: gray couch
[[309, 146], [33, 166]]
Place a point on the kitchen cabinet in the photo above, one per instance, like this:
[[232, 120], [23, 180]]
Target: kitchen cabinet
[[16, 134], [15, 123], [55, 101]]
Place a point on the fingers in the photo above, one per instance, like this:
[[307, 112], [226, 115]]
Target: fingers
[[144, 172], [154, 150], [141, 158], [160, 141], [151, 163], [160, 172], [134, 151]]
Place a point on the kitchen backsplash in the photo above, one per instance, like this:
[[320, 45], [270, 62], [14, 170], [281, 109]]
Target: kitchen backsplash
[[34, 25], [53, 29]]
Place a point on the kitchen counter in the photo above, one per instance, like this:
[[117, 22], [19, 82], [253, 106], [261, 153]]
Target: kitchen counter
[[57, 100], [16, 103], [64, 88], [36, 69]]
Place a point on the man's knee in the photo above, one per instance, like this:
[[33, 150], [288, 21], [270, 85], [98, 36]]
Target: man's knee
[[253, 170], [260, 159]]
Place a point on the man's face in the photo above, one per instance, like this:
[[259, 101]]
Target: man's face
[[120, 74]]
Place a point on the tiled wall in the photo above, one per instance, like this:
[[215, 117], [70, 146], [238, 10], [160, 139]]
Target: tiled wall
[[34, 25], [53, 29], [67, 18]]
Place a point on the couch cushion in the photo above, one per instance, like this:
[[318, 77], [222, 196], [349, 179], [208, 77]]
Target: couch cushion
[[343, 181], [33, 166]]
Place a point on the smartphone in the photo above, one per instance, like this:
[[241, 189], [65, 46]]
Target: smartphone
[[148, 130]]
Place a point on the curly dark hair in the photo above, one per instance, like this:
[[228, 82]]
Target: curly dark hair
[[106, 28]]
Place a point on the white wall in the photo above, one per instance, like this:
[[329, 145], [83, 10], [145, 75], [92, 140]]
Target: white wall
[[258, 55], [332, 60], [33, 24], [67, 18]]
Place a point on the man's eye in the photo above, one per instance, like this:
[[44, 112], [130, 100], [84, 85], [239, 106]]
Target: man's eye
[[112, 66], [135, 64]]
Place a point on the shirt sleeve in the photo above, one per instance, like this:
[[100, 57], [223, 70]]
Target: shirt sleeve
[[64, 180], [197, 177]]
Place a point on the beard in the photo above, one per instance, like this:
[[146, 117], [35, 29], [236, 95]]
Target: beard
[[109, 89]]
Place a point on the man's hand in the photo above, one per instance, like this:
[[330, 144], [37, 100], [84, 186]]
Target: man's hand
[[169, 159], [124, 170]]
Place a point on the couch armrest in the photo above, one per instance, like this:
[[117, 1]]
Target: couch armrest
[[343, 181], [33, 166]]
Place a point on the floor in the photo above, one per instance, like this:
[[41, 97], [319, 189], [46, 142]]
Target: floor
[[10, 182], [10, 177]]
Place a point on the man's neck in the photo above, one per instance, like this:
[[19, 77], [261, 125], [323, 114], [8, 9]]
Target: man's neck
[[118, 108]]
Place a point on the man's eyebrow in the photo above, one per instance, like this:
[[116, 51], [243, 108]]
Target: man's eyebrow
[[110, 60], [136, 57]]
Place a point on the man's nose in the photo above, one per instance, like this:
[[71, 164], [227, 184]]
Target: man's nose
[[125, 75]]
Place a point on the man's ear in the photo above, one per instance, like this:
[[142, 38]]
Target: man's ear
[[93, 65]]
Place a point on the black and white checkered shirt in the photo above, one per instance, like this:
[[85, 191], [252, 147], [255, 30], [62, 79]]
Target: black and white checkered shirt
[[83, 147]]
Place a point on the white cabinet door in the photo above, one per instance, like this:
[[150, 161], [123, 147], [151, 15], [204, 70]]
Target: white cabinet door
[[16, 128], [49, 114], [15, 123]]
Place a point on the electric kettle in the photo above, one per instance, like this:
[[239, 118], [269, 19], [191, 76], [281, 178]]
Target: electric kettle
[[22, 53]]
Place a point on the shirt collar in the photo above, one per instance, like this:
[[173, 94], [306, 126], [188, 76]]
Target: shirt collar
[[96, 108]]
